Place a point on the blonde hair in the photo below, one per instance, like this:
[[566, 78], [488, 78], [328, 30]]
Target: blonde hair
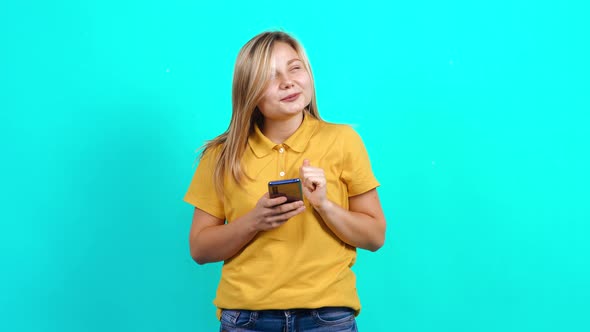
[[251, 73]]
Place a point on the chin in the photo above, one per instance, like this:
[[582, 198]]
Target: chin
[[297, 108], [295, 112], [288, 114]]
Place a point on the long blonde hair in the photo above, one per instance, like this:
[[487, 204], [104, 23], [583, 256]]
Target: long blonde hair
[[251, 73]]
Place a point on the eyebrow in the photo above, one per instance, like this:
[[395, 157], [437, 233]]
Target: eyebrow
[[293, 60]]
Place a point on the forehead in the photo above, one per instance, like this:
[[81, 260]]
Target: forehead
[[283, 53]]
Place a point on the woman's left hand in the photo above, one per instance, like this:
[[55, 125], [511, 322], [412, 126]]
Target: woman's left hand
[[313, 182], [361, 226]]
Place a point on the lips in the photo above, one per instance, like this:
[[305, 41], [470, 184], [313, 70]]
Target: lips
[[291, 97]]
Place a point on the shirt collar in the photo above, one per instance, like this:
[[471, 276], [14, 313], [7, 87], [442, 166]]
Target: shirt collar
[[262, 146]]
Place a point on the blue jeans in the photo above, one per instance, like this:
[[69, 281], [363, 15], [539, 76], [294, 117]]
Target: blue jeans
[[329, 319]]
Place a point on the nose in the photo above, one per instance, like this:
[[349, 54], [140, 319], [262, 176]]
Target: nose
[[287, 83]]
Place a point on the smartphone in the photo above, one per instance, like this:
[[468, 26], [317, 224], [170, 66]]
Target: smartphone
[[290, 188]]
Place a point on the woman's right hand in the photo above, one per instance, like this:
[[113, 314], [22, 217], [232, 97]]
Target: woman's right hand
[[270, 213], [211, 240]]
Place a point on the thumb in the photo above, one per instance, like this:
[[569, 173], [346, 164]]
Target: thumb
[[306, 162]]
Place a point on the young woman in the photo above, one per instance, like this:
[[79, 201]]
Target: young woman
[[287, 265]]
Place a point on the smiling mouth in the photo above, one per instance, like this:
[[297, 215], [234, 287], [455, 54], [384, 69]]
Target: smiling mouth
[[291, 97]]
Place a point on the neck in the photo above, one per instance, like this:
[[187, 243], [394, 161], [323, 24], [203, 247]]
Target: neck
[[279, 130]]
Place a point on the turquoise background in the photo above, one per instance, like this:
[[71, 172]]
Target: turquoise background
[[475, 115]]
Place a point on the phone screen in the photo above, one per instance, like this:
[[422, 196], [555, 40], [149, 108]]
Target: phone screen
[[290, 188]]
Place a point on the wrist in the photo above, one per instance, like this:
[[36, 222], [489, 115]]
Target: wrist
[[249, 222], [324, 207]]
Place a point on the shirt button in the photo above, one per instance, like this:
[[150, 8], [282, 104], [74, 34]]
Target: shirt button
[[281, 150], [282, 173]]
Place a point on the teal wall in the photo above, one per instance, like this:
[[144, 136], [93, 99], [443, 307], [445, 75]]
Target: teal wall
[[475, 114]]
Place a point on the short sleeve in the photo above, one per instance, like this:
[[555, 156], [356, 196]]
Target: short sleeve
[[201, 192], [356, 168]]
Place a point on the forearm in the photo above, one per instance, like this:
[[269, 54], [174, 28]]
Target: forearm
[[211, 240], [221, 242], [355, 228]]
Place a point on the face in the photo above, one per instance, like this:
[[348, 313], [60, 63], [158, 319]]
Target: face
[[289, 88]]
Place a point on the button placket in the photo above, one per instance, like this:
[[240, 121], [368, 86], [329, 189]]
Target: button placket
[[282, 153]]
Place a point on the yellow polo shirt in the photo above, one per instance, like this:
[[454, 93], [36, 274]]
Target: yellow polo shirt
[[300, 264]]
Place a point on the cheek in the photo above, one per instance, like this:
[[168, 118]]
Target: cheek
[[265, 104], [308, 92], [306, 83], [268, 97]]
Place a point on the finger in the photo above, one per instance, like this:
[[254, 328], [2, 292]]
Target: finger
[[306, 171], [314, 182], [281, 218], [308, 184], [305, 167], [313, 172], [284, 208], [272, 202]]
